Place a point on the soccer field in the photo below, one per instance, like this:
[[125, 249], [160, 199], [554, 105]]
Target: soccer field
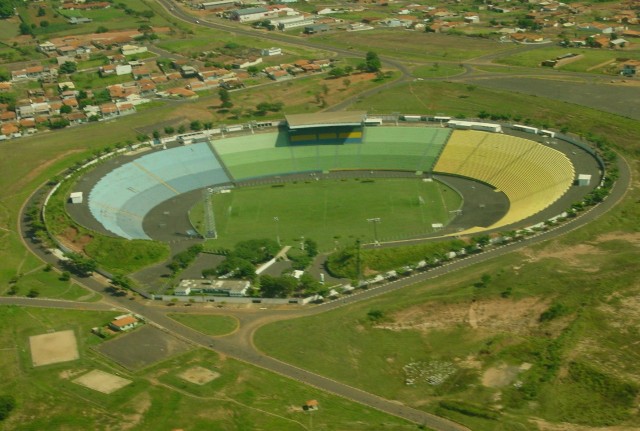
[[332, 212]]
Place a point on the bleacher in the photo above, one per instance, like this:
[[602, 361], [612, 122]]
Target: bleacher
[[121, 199], [531, 175], [383, 148]]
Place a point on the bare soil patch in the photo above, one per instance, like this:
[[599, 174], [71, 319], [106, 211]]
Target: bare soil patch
[[548, 426], [101, 381], [72, 239], [496, 315], [199, 375], [500, 376], [53, 348], [574, 256]]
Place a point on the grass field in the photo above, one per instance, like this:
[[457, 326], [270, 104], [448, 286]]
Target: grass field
[[157, 398], [206, 323], [331, 212], [590, 60], [419, 46]]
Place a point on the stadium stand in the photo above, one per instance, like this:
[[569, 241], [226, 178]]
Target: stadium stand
[[121, 199], [531, 175], [383, 148]]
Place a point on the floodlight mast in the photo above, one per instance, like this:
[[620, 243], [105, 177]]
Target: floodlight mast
[[375, 222], [277, 221]]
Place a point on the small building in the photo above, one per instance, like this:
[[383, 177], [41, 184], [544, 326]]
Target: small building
[[132, 49], [76, 197], [584, 179], [232, 288], [316, 28], [249, 14], [123, 323], [271, 51]]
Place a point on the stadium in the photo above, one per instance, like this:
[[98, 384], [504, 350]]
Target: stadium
[[507, 177]]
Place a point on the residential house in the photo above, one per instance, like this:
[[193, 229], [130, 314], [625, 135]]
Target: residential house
[[132, 49], [123, 323], [108, 110]]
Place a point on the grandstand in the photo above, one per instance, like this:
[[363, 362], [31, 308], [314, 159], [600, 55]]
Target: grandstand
[[383, 148], [531, 175], [121, 199], [326, 128]]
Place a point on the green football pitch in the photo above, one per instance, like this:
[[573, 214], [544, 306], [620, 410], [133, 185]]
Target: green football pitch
[[333, 212]]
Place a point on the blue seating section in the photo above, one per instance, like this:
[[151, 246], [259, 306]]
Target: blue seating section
[[121, 199]]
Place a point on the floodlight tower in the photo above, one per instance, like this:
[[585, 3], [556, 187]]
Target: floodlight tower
[[375, 222], [277, 221]]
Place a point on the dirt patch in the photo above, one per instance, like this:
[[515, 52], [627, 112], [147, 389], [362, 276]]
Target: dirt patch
[[53, 348], [574, 256], [199, 375], [142, 403], [630, 237], [73, 240], [101, 381], [500, 376], [548, 426], [496, 315]]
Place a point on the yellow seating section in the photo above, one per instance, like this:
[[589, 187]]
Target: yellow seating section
[[531, 175]]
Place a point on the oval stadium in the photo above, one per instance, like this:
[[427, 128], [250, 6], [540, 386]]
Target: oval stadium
[[507, 177]]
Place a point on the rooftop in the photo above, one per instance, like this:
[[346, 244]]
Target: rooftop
[[345, 118]]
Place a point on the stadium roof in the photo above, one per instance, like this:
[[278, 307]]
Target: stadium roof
[[325, 119]]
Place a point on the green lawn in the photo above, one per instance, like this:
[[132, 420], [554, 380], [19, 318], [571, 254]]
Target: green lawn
[[417, 46], [206, 323], [157, 397], [590, 58], [437, 70], [47, 284], [330, 211]]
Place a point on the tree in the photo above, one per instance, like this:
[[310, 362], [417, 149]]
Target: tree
[[225, 98], [58, 123], [7, 404], [169, 130], [195, 125], [253, 70], [156, 135], [102, 29], [25, 29], [145, 28], [182, 129], [82, 265], [68, 67], [337, 72], [6, 9], [41, 11], [65, 109], [372, 62], [44, 24]]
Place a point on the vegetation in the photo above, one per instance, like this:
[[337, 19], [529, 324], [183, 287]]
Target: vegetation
[[207, 324]]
